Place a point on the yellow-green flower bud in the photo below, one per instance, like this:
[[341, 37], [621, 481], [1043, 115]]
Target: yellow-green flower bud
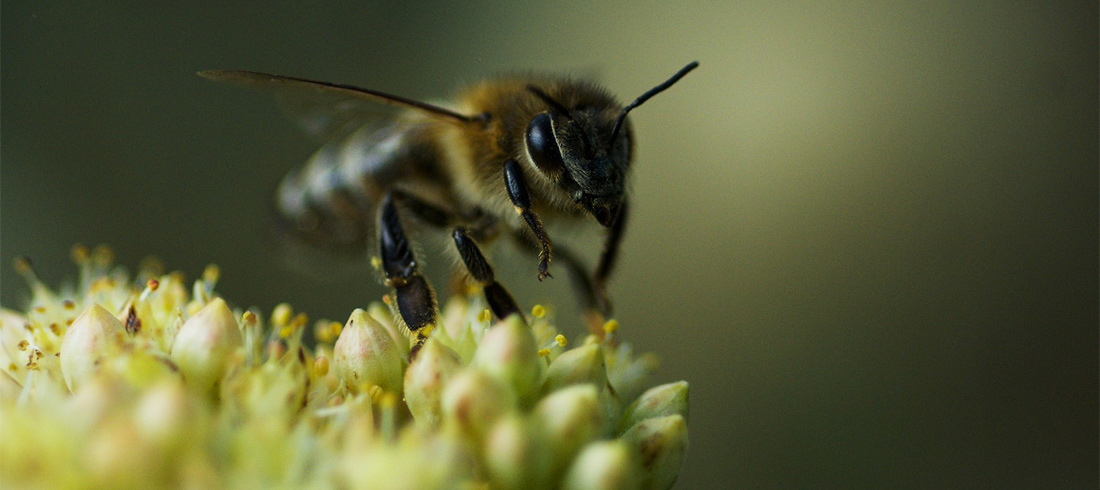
[[569, 418], [473, 400], [514, 455], [365, 355], [204, 344], [93, 336], [661, 443], [667, 399], [603, 465], [167, 416], [433, 367], [584, 364], [509, 353]]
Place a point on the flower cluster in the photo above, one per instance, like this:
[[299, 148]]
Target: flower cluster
[[142, 381]]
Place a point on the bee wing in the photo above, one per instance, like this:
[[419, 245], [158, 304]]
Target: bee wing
[[324, 109]]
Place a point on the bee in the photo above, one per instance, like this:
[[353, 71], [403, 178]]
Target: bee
[[514, 152]]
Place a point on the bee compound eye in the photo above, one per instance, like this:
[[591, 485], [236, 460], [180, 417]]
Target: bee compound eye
[[542, 146]]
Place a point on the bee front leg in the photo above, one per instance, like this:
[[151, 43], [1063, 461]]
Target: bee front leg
[[500, 301], [608, 257], [521, 199], [415, 298]]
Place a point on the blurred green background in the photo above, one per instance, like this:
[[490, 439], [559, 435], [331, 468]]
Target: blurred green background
[[865, 232]]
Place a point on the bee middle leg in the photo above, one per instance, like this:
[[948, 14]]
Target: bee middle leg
[[500, 301]]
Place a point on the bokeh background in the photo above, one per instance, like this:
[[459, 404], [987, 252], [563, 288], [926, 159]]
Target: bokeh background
[[866, 232]]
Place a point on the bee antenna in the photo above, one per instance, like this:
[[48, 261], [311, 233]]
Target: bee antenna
[[646, 96], [549, 101]]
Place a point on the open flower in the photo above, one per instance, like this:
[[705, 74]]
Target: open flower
[[145, 382]]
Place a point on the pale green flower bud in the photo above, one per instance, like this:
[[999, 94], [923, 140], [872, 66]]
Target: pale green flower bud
[[661, 443], [667, 399], [204, 344], [569, 418], [509, 353], [433, 367], [167, 416], [603, 465], [515, 456], [365, 355], [473, 400], [584, 364], [94, 335]]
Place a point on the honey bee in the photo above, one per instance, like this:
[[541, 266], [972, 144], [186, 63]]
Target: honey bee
[[513, 152]]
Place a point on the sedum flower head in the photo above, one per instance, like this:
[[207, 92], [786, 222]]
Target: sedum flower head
[[147, 381]]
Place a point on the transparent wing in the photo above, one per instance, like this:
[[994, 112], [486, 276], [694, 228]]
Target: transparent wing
[[325, 109]]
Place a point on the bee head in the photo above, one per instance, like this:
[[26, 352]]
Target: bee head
[[586, 151]]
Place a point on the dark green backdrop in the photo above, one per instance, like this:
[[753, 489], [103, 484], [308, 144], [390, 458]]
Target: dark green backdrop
[[865, 232]]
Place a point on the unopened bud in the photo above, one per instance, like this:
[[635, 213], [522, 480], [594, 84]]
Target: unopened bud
[[434, 366], [93, 336], [203, 346], [666, 399], [584, 364], [603, 465], [514, 456], [474, 401], [509, 353], [569, 418], [660, 443], [365, 355]]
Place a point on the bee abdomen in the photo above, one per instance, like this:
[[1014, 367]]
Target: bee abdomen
[[330, 202]]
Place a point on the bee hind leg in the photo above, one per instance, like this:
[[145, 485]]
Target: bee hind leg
[[500, 300], [414, 297]]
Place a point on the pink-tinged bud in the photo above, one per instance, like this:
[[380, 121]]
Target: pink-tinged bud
[[603, 465], [93, 336], [584, 364], [667, 399], [204, 344], [509, 353], [433, 367], [365, 355], [660, 443]]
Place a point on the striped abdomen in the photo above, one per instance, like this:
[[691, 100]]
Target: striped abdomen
[[330, 202]]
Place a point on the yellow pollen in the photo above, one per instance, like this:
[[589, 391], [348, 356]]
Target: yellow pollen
[[211, 273], [79, 254], [611, 326], [285, 332], [281, 314], [538, 311], [484, 316], [560, 339], [544, 352], [336, 328], [248, 318], [376, 262]]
